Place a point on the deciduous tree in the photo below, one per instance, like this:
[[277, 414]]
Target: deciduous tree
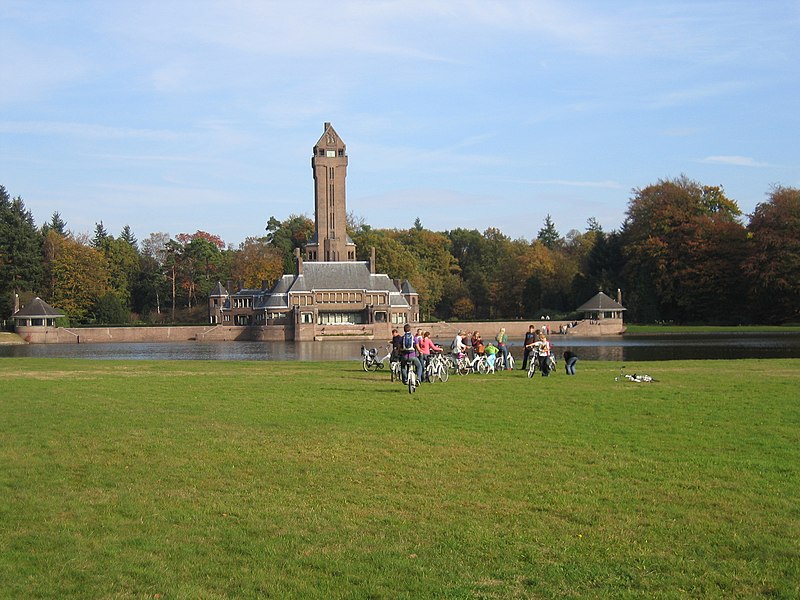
[[773, 267]]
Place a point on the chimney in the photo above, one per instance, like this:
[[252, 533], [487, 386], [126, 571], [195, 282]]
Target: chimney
[[326, 127], [229, 286], [373, 268], [299, 260], [619, 296]]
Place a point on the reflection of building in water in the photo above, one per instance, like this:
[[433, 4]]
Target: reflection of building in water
[[331, 294]]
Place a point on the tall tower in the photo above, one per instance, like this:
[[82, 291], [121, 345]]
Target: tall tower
[[329, 164]]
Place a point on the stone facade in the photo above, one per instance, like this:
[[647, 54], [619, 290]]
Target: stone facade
[[330, 293]]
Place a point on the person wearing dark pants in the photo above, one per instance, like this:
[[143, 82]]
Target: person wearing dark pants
[[530, 340], [570, 358]]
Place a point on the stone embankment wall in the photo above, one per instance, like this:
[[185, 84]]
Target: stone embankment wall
[[441, 331], [94, 335]]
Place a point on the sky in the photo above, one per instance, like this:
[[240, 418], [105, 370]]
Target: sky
[[178, 116]]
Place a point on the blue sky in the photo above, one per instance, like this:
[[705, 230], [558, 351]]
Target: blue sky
[[174, 116]]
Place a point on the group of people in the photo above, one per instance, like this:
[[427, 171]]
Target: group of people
[[415, 350]]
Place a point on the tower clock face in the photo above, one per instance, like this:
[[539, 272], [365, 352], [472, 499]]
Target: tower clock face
[[330, 153]]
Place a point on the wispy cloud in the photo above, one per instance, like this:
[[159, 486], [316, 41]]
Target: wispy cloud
[[735, 161], [85, 130], [608, 185]]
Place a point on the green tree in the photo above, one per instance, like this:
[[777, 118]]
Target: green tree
[[773, 264], [79, 275], [670, 249], [128, 237], [100, 235], [110, 310], [20, 252], [294, 232], [548, 234], [123, 264], [257, 261], [56, 223]]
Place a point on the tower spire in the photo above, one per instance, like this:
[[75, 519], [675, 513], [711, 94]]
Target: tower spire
[[329, 166]]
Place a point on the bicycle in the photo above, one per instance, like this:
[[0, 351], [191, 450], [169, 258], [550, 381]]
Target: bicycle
[[394, 369], [437, 368], [370, 360], [500, 363], [412, 378], [634, 378]]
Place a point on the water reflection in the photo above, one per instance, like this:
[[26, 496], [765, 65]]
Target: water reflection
[[617, 348]]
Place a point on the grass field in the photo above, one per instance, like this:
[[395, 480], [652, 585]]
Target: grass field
[[190, 479]]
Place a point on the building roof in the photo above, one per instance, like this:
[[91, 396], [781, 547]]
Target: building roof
[[38, 308], [218, 291], [600, 302]]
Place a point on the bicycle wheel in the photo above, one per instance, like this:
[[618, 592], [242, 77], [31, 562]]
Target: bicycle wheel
[[483, 367], [443, 374], [532, 368], [365, 364], [375, 365], [412, 381], [510, 364]]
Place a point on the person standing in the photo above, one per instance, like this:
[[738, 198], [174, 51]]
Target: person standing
[[530, 340], [426, 346], [544, 354], [459, 347], [502, 344]]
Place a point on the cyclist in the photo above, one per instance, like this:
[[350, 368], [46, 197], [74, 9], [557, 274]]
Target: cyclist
[[408, 354]]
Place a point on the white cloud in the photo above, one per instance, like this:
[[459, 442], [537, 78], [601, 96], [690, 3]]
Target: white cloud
[[736, 161]]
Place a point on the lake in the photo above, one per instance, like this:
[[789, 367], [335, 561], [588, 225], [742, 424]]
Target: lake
[[638, 347]]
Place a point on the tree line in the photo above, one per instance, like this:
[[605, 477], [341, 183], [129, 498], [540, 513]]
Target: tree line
[[684, 253]]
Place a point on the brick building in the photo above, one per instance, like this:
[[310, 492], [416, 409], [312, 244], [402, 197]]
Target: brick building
[[330, 293]]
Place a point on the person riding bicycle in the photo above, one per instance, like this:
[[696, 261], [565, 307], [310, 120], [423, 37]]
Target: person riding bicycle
[[408, 354]]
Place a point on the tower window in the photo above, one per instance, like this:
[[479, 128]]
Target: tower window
[[341, 151]]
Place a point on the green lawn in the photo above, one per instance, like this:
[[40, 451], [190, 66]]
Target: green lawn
[[193, 479]]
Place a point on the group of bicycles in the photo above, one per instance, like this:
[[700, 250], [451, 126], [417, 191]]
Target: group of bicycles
[[440, 365]]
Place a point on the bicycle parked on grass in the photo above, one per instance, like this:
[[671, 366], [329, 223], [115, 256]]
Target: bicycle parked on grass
[[437, 368], [500, 363], [370, 360]]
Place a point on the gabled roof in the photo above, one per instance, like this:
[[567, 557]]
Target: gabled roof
[[329, 138], [407, 288], [600, 302], [218, 291], [344, 275], [38, 308]]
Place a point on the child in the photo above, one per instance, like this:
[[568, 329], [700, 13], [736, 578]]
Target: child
[[491, 354]]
